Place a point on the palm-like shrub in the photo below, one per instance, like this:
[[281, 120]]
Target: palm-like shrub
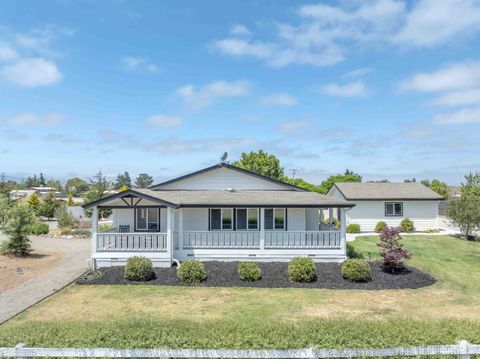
[[191, 272], [380, 226], [356, 270], [249, 271], [392, 250], [407, 226], [302, 270], [139, 269]]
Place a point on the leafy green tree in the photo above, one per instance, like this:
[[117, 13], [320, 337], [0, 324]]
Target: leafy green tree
[[76, 186], [472, 184], [49, 205], [262, 163], [98, 186], [437, 186], [32, 181], [299, 182], [464, 212], [5, 186], [5, 205], [34, 202], [123, 180], [143, 180], [348, 176], [55, 184], [17, 229]]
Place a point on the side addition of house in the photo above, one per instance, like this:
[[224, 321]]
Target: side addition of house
[[388, 202], [220, 213]]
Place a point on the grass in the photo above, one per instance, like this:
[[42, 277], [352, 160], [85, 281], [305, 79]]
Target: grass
[[151, 316]]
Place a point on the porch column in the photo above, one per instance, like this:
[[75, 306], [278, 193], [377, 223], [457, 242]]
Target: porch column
[[169, 231], [262, 229], [94, 234], [330, 216], [180, 229], [343, 232]]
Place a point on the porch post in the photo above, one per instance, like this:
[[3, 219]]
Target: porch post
[[169, 231], [343, 232], [330, 216], [94, 235], [180, 229], [262, 229]]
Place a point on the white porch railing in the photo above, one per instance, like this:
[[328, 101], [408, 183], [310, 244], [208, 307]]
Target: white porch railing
[[131, 242], [302, 239], [221, 239]]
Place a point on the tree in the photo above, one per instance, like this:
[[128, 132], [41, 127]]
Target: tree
[[34, 202], [49, 205], [472, 185], [17, 229], [5, 186], [262, 163], [143, 180], [32, 181], [5, 205], [392, 250], [41, 180], [55, 184], [299, 182], [464, 212], [123, 180], [411, 180], [348, 176], [70, 201], [437, 186], [76, 186], [98, 186]]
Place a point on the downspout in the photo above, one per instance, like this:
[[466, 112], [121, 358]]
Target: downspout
[[177, 262]]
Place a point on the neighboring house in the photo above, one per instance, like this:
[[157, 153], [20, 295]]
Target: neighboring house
[[219, 213], [388, 202], [25, 193]]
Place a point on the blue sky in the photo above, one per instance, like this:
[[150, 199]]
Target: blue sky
[[389, 89]]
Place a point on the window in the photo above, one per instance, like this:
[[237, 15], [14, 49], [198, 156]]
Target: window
[[221, 218], [394, 209], [247, 218], [147, 219], [275, 218]]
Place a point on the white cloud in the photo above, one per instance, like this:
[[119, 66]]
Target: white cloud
[[31, 72], [293, 126], [7, 53], [358, 72], [455, 76], [466, 116], [198, 98], [40, 40], [239, 47], [239, 30], [279, 99], [352, 89], [458, 98], [165, 121], [138, 63], [29, 119], [433, 22]]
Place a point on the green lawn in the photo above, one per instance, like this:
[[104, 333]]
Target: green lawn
[[147, 316]]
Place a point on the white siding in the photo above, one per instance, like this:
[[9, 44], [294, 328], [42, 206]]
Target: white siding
[[424, 214], [221, 179], [195, 219], [311, 219], [296, 219], [124, 217]]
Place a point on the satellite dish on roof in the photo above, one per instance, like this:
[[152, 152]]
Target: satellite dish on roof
[[224, 157]]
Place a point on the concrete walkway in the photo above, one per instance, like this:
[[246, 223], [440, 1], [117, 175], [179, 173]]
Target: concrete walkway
[[75, 253]]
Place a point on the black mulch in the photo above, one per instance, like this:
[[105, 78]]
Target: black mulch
[[274, 275]]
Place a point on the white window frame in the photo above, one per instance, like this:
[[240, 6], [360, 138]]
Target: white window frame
[[137, 229], [247, 209], [393, 206], [221, 219], [273, 220]]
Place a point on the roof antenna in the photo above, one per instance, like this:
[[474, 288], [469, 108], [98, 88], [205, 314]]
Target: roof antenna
[[294, 172], [224, 157]]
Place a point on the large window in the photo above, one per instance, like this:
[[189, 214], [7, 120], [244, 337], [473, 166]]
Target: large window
[[247, 218], [147, 219], [393, 209], [275, 219], [221, 218]]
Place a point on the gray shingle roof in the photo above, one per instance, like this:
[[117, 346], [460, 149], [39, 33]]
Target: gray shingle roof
[[386, 191]]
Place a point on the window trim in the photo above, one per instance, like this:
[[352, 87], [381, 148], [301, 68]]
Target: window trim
[[221, 218], [136, 229], [247, 229], [274, 209], [393, 215]]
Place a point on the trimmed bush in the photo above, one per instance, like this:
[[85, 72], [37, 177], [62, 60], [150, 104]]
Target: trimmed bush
[[139, 269], [302, 270], [380, 226], [353, 228], [191, 272], [249, 271], [352, 252], [39, 228], [407, 226], [356, 270]]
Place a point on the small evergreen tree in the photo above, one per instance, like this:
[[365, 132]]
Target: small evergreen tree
[[70, 201], [49, 205], [143, 180], [17, 228], [392, 250], [41, 180], [34, 202], [98, 186], [123, 180]]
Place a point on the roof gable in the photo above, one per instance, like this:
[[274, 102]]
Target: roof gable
[[385, 191], [224, 176]]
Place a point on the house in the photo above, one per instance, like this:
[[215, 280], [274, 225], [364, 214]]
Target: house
[[25, 193], [388, 202], [220, 213]]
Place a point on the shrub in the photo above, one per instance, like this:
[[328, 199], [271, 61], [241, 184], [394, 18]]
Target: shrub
[[64, 218], [79, 232], [353, 228], [191, 272], [407, 226], [249, 271], [380, 226], [39, 228], [356, 270], [392, 250], [352, 252], [17, 228], [432, 230], [66, 231], [104, 227], [301, 270], [139, 269]]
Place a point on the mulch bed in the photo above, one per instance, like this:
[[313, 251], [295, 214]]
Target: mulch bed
[[274, 275]]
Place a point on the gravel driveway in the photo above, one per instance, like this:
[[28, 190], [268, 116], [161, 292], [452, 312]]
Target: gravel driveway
[[75, 253]]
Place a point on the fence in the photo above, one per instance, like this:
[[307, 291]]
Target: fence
[[463, 350]]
